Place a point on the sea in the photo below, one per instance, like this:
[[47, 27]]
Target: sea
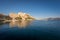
[[30, 30]]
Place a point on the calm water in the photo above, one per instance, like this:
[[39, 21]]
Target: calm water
[[30, 30]]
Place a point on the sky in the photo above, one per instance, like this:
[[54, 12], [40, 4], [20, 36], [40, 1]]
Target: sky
[[36, 8]]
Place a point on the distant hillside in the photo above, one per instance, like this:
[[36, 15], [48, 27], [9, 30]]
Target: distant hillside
[[57, 19]]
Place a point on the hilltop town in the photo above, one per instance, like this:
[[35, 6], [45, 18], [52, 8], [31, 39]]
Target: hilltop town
[[16, 17], [21, 16]]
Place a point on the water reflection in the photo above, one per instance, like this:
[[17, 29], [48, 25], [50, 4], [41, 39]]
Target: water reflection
[[21, 24]]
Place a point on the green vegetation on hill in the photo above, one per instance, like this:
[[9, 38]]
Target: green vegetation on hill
[[4, 17]]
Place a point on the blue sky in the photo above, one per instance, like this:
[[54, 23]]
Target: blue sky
[[36, 8]]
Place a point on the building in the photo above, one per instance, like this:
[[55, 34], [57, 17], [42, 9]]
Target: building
[[23, 16]]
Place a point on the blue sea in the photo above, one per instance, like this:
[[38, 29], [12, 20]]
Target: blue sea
[[30, 30]]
